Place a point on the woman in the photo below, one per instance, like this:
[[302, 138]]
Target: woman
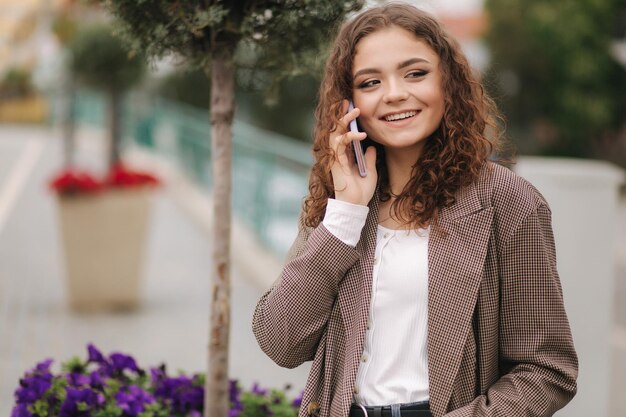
[[429, 286]]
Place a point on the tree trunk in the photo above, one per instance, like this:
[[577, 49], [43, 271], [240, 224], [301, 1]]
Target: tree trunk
[[222, 74], [68, 119], [115, 100]]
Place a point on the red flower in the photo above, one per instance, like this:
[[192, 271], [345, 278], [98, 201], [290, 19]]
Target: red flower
[[120, 176], [73, 181]]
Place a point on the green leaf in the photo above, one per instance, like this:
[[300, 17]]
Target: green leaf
[[112, 387], [155, 410], [75, 364], [109, 410], [100, 60], [286, 32], [41, 408]]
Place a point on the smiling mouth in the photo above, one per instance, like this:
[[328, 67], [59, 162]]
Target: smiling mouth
[[400, 116]]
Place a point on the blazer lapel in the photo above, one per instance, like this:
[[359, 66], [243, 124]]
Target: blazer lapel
[[456, 253]]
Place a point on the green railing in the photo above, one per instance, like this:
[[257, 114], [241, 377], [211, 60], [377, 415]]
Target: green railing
[[269, 170]]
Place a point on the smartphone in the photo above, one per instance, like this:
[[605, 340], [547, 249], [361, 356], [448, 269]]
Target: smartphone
[[356, 145]]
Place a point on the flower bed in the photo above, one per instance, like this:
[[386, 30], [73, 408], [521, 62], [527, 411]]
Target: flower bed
[[115, 386]]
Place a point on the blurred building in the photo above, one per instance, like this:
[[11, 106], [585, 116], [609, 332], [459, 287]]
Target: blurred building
[[32, 62], [26, 29], [24, 25], [468, 30], [466, 20]]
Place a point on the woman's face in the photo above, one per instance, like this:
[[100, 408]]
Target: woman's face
[[397, 85]]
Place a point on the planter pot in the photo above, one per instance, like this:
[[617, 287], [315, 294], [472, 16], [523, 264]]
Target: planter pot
[[103, 238]]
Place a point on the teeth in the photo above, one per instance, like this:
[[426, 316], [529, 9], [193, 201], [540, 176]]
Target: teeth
[[400, 116]]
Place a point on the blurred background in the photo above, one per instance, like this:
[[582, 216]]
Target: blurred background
[[557, 70]]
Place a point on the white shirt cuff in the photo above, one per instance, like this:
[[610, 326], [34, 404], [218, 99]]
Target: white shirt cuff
[[345, 220]]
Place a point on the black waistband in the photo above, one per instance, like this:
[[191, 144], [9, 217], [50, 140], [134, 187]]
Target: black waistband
[[413, 410]]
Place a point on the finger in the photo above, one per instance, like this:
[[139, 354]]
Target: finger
[[341, 125], [344, 150], [349, 137], [334, 140], [348, 117], [342, 153], [337, 143], [370, 158], [344, 163]]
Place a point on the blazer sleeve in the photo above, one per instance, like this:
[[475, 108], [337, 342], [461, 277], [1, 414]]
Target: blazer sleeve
[[538, 362], [291, 316]]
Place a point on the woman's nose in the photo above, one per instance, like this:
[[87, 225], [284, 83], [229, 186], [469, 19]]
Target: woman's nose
[[396, 91]]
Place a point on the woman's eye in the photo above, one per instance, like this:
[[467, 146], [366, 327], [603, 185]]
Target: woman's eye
[[416, 74], [369, 83]]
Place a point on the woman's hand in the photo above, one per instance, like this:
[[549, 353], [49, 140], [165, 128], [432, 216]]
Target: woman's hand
[[349, 185]]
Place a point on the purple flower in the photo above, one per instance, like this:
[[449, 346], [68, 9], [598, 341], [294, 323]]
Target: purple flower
[[82, 391], [256, 389], [297, 402], [35, 383], [77, 379], [121, 362], [80, 402], [133, 400], [157, 375], [183, 393], [32, 388], [21, 410], [43, 366], [96, 380], [233, 391], [236, 407], [95, 356]]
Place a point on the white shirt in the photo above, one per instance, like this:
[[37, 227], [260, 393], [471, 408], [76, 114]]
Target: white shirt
[[394, 362]]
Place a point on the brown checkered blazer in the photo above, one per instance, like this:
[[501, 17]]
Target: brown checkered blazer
[[499, 343]]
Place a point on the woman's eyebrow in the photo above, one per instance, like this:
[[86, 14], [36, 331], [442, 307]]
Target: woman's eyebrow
[[401, 65], [411, 62]]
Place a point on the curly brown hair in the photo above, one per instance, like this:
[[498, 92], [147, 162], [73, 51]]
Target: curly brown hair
[[453, 155]]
